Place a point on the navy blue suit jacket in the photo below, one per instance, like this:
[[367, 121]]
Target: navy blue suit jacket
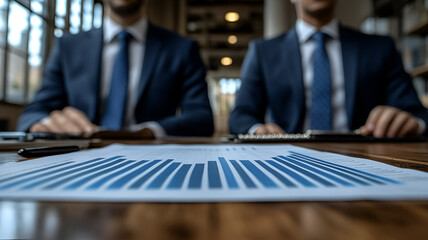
[[272, 84], [173, 77]]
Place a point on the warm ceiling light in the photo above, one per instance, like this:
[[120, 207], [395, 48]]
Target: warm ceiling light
[[232, 39], [232, 16], [226, 61]]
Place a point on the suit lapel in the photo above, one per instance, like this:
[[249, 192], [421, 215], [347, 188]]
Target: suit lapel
[[92, 49], [152, 49], [293, 71], [350, 64]]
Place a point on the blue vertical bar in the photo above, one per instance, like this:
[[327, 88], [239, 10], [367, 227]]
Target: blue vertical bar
[[32, 172], [318, 165], [389, 180], [247, 180], [230, 179], [292, 174], [118, 184], [265, 180], [352, 173], [80, 174], [320, 180], [322, 173], [195, 181], [178, 179], [105, 179], [161, 178], [81, 182], [47, 174], [280, 177], [137, 184], [213, 175], [56, 173]]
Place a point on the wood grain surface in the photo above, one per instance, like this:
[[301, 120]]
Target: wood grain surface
[[288, 220]]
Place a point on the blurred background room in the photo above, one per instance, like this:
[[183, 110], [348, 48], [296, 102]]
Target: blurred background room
[[223, 29]]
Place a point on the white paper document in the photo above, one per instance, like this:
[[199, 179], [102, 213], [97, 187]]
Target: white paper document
[[208, 173]]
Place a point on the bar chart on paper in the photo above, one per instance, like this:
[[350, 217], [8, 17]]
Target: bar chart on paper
[[208, 173]]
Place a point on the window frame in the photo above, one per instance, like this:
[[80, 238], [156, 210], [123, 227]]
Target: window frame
[[48, 16]]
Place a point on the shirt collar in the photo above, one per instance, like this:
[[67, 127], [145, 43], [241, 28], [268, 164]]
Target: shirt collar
[[305, 30], [138, 30]]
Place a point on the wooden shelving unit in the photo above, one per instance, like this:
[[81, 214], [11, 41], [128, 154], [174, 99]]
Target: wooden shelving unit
[[421, 71], [420, 29], [394, 9]]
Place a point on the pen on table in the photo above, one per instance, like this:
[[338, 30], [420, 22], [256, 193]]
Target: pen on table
[[46, 151]]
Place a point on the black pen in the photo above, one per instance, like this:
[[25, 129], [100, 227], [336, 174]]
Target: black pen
[[46, 151]]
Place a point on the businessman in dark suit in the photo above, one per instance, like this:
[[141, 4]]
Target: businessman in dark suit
[[323, 76], [129, 75]]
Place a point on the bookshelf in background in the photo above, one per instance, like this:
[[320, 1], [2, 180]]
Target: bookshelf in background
[[407, 22], [415, 28]]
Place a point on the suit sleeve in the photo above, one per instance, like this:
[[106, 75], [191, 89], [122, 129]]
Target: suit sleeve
[[250, 106], [51, 96], [401, 92], [196, 118]]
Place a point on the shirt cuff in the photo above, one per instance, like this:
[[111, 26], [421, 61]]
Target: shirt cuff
[[44, 120], [156, 128], [422, 126], [254, 128]]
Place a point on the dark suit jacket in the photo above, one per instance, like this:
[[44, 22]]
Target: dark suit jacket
[[173, 77], [272, 84]]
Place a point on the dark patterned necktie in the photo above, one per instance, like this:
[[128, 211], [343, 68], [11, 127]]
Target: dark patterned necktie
[[321, 114], [115, 107]]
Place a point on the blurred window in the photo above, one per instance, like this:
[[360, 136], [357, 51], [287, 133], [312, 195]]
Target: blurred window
[[27, 30]]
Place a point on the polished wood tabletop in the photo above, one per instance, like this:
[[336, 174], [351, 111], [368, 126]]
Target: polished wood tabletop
[[279, 220]]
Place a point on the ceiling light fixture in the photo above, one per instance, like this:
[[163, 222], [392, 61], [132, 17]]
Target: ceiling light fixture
[[232, 39], [231, 16], [226, 61]]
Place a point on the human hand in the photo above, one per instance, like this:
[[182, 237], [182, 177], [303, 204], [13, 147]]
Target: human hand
[[385, 121], [269, 128], [146, 133], [68, 120]]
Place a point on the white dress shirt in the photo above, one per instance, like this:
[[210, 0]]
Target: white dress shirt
[[136, 57]]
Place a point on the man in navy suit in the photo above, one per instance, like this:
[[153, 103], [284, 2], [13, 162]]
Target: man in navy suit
[[367, 87], [156, 83]]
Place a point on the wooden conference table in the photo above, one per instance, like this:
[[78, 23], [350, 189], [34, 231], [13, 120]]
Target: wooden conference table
[[283, 220]]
